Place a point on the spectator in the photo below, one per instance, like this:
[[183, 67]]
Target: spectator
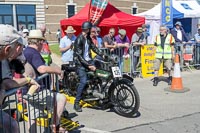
[[32, 54], [66, 45], [137, 41], [164, 53], [179, 33], [180, 39], [10, 41], [109, 40], [45, 52], [58, 35], [93, 35], [123, 43], [197, 41], [145, 32], [99, 38], [25, 35]]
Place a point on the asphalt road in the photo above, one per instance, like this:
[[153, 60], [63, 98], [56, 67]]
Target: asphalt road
[[185, 124], [160, 111]]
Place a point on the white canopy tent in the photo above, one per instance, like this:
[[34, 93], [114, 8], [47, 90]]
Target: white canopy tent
[[189, 9]]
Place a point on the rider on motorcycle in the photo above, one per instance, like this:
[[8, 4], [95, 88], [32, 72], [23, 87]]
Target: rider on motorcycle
[[82, 56]]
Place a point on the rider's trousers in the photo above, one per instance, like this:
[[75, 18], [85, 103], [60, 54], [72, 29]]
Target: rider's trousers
[[83, 80]]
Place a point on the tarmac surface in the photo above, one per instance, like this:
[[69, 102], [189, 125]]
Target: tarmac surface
[[160, 111]]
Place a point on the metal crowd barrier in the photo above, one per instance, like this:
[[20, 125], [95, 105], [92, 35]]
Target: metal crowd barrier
[[196, 54], [15, 112], [128, 64], [189, 54]]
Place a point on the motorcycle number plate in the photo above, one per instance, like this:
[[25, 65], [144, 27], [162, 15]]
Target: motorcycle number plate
[[116, 72]]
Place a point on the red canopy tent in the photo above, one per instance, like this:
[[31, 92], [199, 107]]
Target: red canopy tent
[[112, 17]]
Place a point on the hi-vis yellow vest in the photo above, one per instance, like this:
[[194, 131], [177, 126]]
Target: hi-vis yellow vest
[[166, 53]]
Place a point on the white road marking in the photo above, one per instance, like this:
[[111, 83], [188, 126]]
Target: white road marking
[[93, 130]]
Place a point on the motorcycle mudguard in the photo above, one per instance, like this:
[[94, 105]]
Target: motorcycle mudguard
[[126, 76]]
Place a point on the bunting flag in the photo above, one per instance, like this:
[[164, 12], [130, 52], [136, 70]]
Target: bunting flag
[[167, 13], [96, 10]]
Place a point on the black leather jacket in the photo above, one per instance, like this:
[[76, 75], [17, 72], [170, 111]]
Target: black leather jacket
[[79, 49]]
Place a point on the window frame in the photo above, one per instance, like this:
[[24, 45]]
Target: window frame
[[26, 17], [10, 15]]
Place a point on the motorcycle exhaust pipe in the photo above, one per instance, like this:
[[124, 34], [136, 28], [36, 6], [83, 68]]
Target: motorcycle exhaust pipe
[[98, 95]]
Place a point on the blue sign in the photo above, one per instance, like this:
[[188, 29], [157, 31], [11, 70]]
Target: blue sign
[[167, 13]]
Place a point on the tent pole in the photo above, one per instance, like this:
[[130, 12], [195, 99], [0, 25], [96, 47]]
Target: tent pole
[[89, 10]]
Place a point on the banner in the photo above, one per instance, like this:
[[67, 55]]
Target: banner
[[167, 13], [147, 61], [96, 10]]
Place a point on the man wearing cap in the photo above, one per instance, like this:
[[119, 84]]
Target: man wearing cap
[[10, 43], [32, 54], [25, 35], [66, 45], [137, 41], [180, 38], [164, 53], [197, 48], [122, 46]]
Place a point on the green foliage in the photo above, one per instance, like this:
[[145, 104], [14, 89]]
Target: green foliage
[[55, 49]]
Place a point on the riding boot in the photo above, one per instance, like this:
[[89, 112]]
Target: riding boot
[[77, 107], [155, 81], [170, 80]]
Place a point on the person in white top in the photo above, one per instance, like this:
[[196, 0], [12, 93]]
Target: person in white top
[[180, 39]]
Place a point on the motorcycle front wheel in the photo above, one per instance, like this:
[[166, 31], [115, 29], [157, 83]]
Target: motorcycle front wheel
[[125, 98]]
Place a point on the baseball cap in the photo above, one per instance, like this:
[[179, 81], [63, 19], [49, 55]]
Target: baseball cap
[[178, 23], [9, 35], [122, 32], [25, 31]]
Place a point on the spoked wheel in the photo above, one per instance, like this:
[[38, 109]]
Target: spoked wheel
[[125, 98]]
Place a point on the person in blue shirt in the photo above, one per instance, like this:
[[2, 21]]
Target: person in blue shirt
[[66, 45], [99, 38]]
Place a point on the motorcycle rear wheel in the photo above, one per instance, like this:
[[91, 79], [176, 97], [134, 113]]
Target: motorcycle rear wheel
[[125, 98]]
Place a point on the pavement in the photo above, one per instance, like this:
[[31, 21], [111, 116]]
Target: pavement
[[157, 106]]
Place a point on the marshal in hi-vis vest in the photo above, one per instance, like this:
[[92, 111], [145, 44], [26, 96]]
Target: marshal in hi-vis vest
[[166, 53]]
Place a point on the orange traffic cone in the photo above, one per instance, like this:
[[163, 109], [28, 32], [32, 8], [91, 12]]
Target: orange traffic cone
[[177, 85]]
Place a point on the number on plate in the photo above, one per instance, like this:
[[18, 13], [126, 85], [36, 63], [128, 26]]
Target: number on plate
[[116, 72]]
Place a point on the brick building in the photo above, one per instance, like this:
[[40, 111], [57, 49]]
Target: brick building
[[30, 13]]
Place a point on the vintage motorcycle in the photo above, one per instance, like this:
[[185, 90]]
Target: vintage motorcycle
[[106, 86]]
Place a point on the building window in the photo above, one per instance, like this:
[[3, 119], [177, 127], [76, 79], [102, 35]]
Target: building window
[[71, 10], [26, 17], [134, 10], [6, 14]]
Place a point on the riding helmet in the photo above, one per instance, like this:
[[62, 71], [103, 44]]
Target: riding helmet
[[86, 25]]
